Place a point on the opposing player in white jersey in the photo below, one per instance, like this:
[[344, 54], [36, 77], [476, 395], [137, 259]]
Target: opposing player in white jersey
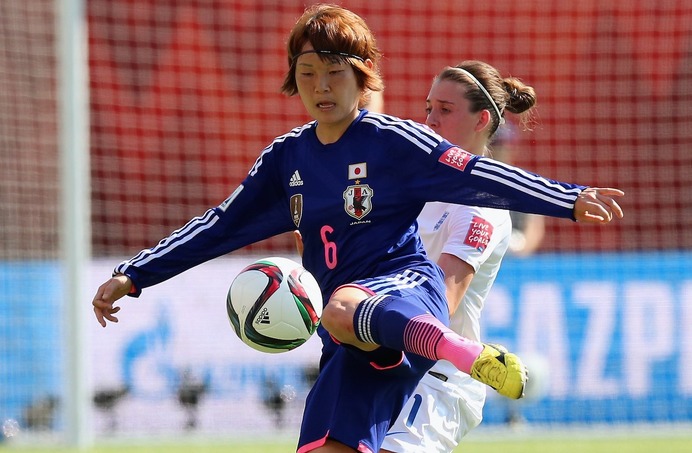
[[354, 182], [468, 243]]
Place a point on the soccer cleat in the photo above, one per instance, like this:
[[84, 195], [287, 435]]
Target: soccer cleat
[[501, 370]]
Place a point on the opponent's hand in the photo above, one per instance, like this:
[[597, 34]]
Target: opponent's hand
[[107, 294], [597, 205]]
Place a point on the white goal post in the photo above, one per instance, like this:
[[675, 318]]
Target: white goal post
[[73, 139]]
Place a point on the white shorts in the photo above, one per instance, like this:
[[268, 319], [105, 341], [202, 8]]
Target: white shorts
[[439, 413]]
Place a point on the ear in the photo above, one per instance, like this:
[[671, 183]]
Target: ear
[[368, 62], [484, 121]]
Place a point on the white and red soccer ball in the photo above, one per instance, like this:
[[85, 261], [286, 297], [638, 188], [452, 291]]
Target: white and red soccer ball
[[274, 305]]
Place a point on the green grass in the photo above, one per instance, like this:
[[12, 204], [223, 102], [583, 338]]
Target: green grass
[[570, 443]]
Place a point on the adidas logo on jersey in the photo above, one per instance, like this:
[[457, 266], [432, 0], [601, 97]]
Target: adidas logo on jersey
[[295, 180]]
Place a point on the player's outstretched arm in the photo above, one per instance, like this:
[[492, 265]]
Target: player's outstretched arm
[[597, 205], [112, 290]]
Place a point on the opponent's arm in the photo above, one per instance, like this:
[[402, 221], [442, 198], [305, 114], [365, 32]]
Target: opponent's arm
[[458, 276]]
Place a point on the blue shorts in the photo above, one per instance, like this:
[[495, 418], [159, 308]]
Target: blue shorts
[[355, 403]]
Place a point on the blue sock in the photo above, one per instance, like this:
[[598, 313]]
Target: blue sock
[[383, 319], [397, 324]]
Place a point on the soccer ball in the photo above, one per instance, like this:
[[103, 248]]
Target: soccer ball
[[274, 305]]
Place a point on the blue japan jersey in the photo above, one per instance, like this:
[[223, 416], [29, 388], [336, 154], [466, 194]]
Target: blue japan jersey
[[354, 201]]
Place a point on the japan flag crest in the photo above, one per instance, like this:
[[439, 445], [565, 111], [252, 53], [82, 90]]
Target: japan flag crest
[[358, 171], [358, 200]]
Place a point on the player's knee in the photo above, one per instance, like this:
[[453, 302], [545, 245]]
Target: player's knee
[[337, 319]]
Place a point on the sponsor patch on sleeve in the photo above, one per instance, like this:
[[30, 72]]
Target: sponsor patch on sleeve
[[456, 158], [479, 234]]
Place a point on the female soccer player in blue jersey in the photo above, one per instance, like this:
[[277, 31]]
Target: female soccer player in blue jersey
[[465, 105], [354, 182]]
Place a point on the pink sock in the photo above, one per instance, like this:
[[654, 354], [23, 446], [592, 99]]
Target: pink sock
[[461, 351], [425, 335]]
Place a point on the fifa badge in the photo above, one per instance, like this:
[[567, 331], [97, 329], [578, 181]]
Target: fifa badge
[[297, 208]]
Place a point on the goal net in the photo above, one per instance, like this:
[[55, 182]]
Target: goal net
[[184, 95], [30, 328]]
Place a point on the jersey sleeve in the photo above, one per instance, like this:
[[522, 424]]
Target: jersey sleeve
[[473, 234], [463, 178], [256, 210]]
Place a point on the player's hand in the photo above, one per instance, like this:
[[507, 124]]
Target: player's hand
[[107, 294], [597, 205], [299, 242]]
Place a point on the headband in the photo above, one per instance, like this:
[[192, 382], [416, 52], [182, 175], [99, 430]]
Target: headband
[[328, 52], [485, 92]]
